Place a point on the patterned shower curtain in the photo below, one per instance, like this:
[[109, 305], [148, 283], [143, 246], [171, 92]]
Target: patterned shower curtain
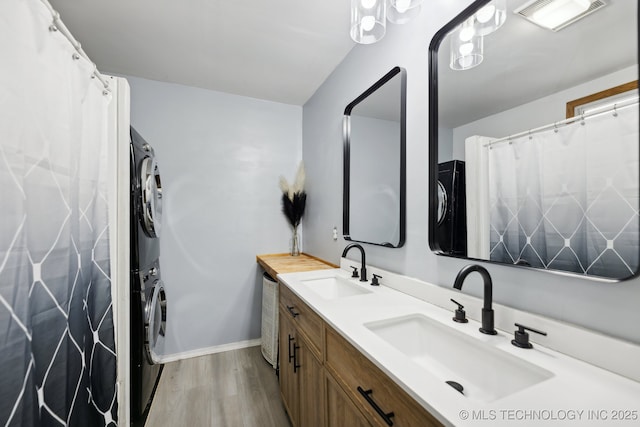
[[567, 198], [57, 352]]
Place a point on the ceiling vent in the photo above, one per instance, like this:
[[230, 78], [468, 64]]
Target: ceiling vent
[[533, 9]]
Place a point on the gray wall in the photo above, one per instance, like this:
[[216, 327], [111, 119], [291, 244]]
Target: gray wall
[[220, 157], [609, 308]]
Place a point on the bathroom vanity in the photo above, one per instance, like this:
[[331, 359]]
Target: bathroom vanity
[[361, 355], [324, 379], [323, 375]]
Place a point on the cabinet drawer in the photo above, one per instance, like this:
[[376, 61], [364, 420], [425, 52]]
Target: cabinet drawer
[[305, 319], [359, 377]]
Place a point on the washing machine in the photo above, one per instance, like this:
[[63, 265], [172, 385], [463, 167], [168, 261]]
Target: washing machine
[[451, 229], [148, 298]]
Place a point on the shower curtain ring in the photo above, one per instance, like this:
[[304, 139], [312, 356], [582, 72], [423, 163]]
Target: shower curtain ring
[[615, 110], [555, 127], [530, 137], [582, 119]]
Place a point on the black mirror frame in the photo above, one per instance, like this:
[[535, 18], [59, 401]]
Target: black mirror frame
[[403, 162], [433, 118], [433, 154]]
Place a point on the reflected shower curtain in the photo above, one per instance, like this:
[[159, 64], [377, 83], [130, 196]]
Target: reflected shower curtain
[[57, 358], [567, 198]]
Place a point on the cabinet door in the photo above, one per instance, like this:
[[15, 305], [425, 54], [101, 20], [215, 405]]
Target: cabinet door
[[340, 410], [311, 385], [288, 378], [372, 391]]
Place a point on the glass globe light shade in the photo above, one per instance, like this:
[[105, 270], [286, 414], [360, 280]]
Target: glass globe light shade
[[490, 17], [368, 20], [396, 16], [466, 54]]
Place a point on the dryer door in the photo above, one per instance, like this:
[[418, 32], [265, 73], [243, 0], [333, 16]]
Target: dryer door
[[155, 318], [151, 186], [442, 203]]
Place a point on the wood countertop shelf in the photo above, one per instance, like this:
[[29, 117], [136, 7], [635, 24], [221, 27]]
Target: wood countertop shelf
[[275, 264]]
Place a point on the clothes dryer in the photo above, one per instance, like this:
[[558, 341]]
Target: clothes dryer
[[451, 229], [148, 298]]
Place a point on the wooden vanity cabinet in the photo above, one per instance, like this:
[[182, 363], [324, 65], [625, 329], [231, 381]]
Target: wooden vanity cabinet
[[301, 368], [326, 382], [311, 382], [376, 395], [288, 378]]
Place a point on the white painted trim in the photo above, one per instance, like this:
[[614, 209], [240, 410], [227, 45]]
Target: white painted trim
[[208, 350], [119, 190]]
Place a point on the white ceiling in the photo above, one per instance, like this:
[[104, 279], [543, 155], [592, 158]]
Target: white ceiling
[[279, 50], [524, 62], [282, 50]]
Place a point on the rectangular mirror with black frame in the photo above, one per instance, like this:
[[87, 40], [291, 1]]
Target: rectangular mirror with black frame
[[533, 136], [374, 129]]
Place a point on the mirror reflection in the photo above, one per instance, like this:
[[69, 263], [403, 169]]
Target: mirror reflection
[[534, 136], [374, 163]]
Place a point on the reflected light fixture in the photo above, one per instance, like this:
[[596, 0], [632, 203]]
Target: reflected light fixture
[[466, 31], [466, 52], [490, 17], [559, 11], [369, 17], [557, 14], [368, 20]]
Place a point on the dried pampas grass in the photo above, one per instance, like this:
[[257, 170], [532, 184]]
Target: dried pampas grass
[[294, 198], [301, 176]]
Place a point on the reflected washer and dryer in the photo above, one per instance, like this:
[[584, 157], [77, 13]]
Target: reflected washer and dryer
[[451, 228], [148, 299]]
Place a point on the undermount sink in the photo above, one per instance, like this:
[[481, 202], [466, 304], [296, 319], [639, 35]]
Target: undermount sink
[[485, 372], [334, 287]]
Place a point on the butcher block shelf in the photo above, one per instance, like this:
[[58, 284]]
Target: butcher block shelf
[[275, 264]]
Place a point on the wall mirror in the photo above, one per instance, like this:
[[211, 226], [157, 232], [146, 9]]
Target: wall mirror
[[374, 163], [513, 178]]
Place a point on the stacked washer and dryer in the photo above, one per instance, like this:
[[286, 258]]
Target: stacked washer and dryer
[[148, 300]]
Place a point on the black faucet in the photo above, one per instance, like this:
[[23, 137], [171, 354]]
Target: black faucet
[[487, 311], [363, 267]]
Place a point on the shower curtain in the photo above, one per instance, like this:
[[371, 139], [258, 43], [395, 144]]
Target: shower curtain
[[57, 354], [567, 198]]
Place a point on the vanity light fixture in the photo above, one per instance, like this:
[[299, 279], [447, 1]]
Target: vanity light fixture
[[402, 11], [368, 17], [368, 20], [557, 14], [490, 17]]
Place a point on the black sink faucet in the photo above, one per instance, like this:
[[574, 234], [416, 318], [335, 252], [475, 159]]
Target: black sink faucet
[[363, 267], [487, 311]]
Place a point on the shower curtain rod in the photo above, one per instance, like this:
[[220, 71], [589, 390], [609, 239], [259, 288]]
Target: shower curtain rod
[[58, 25], [598, 112]]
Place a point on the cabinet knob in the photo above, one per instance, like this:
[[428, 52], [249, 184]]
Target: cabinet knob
[[290, 309]]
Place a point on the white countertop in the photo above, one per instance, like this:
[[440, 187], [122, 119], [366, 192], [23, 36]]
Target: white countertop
[[578, 394]]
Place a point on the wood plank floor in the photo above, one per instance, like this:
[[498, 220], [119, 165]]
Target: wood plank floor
[[232, 389]]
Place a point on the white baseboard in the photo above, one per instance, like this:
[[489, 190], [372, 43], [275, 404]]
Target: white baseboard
[[208, 350]]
